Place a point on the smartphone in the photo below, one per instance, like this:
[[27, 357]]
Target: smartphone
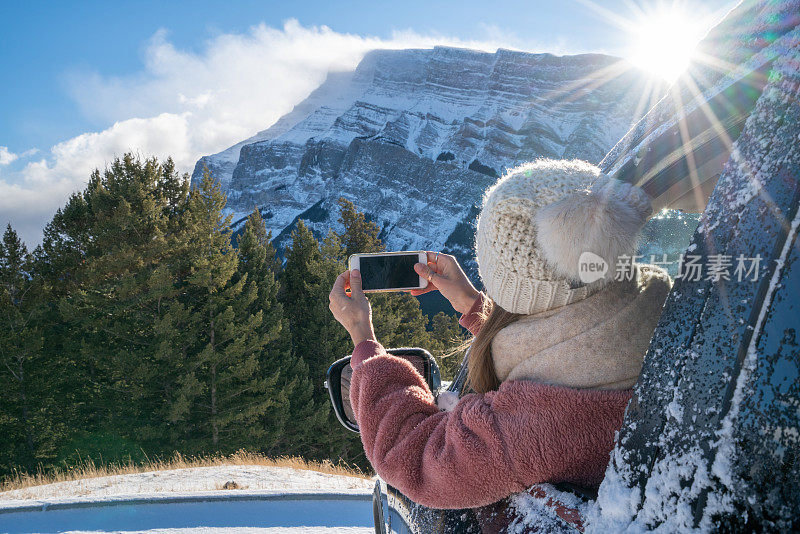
[[390, 271]]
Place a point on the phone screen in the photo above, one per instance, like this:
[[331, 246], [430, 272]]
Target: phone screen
[[389, 272]]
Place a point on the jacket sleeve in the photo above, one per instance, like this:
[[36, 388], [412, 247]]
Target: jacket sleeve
[[438, 459], [472, 320]]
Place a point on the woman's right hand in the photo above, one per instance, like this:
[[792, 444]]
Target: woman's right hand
[[445, 274]]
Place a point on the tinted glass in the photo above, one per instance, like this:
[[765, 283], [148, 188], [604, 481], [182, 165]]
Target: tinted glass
[[347, 372], [389, 272], [664, 239]]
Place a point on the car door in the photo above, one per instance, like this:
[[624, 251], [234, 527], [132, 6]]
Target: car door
[[710, 439]]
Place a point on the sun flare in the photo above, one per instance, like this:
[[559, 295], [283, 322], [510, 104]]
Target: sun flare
[[663, 42]]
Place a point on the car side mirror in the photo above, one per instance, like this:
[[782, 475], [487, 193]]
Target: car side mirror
[[337, 381]]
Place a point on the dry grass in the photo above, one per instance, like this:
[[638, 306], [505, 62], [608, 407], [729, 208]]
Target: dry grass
[[89, 469]]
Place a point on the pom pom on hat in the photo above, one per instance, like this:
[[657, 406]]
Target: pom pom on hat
[[604, 220]]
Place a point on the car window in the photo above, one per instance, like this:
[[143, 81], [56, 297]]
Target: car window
[[665, 237]]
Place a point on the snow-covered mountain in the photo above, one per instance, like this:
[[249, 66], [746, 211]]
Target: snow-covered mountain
[[414, 137]]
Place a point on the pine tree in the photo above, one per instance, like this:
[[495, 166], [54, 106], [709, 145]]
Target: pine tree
[[399, 321], [124, 301], [307, 279], [360, 234], [259, 264], [223, 393], [25, 435], [317, 338], [57, 266]]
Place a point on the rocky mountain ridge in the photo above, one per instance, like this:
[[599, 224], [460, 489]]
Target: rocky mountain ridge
[[414, 138]]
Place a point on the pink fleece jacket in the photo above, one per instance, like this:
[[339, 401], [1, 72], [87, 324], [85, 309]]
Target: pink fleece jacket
[[490, 445]]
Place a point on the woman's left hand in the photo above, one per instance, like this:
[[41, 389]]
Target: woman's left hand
[[353, 311]]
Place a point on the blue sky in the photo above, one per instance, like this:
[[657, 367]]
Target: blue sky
[[79, 80]]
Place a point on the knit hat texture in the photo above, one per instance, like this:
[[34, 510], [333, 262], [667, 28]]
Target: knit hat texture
[[539, 219]]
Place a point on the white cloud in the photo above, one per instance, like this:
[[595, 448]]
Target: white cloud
[[186, 104], [6, 156]]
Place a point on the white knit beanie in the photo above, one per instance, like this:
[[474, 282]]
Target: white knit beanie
[[539, 220]]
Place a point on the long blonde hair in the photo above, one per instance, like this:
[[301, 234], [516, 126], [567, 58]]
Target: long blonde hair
[[481, 374]]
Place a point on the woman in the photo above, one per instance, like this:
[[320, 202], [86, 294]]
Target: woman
[[553, 359]]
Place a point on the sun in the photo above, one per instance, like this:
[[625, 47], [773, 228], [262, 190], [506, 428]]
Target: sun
[[663, 41]]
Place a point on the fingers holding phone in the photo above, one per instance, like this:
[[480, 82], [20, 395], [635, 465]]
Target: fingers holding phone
[[352, 311], [445, 274]]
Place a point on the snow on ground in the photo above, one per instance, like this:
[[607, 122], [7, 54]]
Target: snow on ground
[[186, 481], [271, 500]]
